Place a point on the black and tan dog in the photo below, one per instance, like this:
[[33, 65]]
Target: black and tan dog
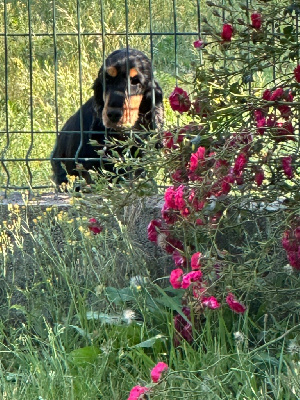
[[125, 97]]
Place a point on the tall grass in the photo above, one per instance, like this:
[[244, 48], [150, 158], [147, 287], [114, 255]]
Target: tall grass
[[76, 325]]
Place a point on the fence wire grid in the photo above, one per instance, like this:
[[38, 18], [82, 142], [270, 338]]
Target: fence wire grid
[[51, 53]]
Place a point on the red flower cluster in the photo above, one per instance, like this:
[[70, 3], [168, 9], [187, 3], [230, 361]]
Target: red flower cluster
[[256, 20], [95, 226], [291, 243], [234, 304], [227, 32], [198, 44], [179, 100], [280, 131], [297, 73]]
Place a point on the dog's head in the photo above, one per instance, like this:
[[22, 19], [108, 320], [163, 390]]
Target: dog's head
[[125, 93]]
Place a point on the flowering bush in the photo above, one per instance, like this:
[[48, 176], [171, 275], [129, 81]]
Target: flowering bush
[[234, 170]]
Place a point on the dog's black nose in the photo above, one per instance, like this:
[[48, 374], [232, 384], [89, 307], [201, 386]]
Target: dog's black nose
[[114, 115]]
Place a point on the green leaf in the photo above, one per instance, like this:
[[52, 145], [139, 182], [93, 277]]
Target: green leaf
[[84, 355], [119, 295], [151, 341]]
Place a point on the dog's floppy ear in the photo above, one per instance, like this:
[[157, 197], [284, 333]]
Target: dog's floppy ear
[[98, 91], [153, 109]]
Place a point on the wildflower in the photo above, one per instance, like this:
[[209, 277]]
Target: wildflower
[[287, 166], [136, 392], [191, 277], [239, 337], [294, 347], [179, 100], [227, 32], [199, 221], [153, 229], [94, 226], [157, 371], [195, 261], [176, 278], [128, 316], [256, 21], [210, 302], [234, 304], [199, 44], [297, 73]]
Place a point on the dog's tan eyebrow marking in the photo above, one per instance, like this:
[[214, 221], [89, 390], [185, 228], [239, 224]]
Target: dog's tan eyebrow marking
[[112, 71], [133, 72]]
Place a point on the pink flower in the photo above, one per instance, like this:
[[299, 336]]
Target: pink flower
[[199, 44], [136, 391], [179, 100], [234, 304], [210, 302], [256, 20], [157, 371], [195, 261], [287, 166], [259, 177], [94, 226], [179, 200], [240, 163], [191, 277], [153, 229], [227, 32], [176, 278], [297, 73], [170, 197], [199, 221], [196, 157], [179, 259]]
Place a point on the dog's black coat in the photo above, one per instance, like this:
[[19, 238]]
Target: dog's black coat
[[105, 110]]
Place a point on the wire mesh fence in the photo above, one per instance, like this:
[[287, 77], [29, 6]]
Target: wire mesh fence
[[51, 53]]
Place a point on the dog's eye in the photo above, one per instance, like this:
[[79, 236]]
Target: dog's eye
[[134, 80]]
